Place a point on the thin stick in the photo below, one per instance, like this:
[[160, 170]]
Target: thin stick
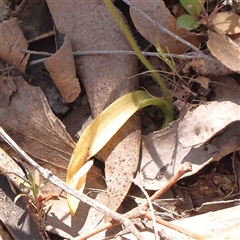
[[191, 55], [70, 190], [107, 52], [186, 167], [174, 227], [97, 230], [136, 182], [151, 54]]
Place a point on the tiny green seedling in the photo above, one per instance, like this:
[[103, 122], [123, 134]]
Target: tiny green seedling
[[190, 21], [38, 204], [33, 184], [168, 60]]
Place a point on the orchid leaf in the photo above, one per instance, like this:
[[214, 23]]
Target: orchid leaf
[[100, 131]]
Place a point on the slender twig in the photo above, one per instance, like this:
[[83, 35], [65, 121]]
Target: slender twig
[[48, 175], [175, 227], [191, 55], [186, 167], [150, 54], [37, 61], [109, 52], [97, 230], [37, 52], [136, 182]]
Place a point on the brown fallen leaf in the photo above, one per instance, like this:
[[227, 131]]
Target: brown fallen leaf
[[12, 41], [225, 87], [27, 117], [201, 124], [105, 78], [122, 156], [160, 13], [61, 67], [225, 50], [203, 81], [164, 151], [206, 68], [162, 157], [34, 18], [227, 22]]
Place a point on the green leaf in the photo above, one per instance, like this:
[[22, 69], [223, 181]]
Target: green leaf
[[30, 178], [187, 21], [100, 131], [192, 7]]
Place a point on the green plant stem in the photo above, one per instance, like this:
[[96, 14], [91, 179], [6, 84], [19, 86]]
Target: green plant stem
[[163, 104], [167, 108]]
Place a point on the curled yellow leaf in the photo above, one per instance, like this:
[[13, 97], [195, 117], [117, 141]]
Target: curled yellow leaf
[[100, 131]]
